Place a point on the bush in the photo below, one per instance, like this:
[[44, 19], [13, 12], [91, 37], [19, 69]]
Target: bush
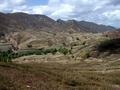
[[5, 56], [53, 51], [84, 42], [111, 45], [77, 38], [29, 46], [85, 54], [63, 50]]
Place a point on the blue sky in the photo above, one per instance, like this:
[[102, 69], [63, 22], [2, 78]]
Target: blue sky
[[37, 2], [99, 11]]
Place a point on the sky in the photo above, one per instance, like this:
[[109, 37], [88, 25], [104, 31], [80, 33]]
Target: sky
[[99, 11]]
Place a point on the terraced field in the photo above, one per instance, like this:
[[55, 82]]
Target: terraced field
[[85, 75], [87, 65]]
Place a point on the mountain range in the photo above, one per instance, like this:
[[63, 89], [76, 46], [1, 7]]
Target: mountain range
[[12, 22]]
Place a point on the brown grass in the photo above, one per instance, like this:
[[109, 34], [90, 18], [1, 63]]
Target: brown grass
[[51, 76]]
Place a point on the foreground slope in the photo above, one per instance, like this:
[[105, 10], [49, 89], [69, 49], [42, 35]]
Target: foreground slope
[[55, 76]]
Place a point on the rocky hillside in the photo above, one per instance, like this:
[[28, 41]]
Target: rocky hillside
[[26, 31], [94, 26], [22, 21], [113, 34]]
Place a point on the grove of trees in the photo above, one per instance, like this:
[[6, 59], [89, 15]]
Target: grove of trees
[[9, 55]]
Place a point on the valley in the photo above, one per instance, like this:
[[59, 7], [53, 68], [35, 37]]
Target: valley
[[39, 53]]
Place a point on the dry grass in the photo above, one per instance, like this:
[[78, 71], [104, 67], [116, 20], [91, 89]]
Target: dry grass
[[54, 76], [84, 75]]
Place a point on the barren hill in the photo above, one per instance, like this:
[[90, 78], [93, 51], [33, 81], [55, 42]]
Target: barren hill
[[22, 21]]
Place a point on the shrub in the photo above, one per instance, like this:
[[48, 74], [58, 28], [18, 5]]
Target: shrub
[[111, 45], [70, 51], [63, 50], [5, 56], [77, 38], [84, 42], [85, 54], [29, 46], [53, 51]]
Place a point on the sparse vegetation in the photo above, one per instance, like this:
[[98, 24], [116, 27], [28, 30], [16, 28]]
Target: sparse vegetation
[[5, 84], [85, 54], [57, 77], [38, 53]]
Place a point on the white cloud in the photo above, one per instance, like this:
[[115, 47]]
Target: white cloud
[[16, 2], [100, 11], [40, 9], [64, 11], [22, 8], [113, 15], [3, 5], [6, 5]]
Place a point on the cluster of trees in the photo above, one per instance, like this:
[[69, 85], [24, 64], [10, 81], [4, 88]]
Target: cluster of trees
[[6, 56], [9, 55], [111, 45]]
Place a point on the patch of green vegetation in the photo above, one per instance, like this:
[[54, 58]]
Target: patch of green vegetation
[[9, 55], [64, 51], [6, 56], [111, 45]]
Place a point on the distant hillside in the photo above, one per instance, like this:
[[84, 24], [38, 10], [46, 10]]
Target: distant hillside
[[113, 34], [95, 27], [22, 21]]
